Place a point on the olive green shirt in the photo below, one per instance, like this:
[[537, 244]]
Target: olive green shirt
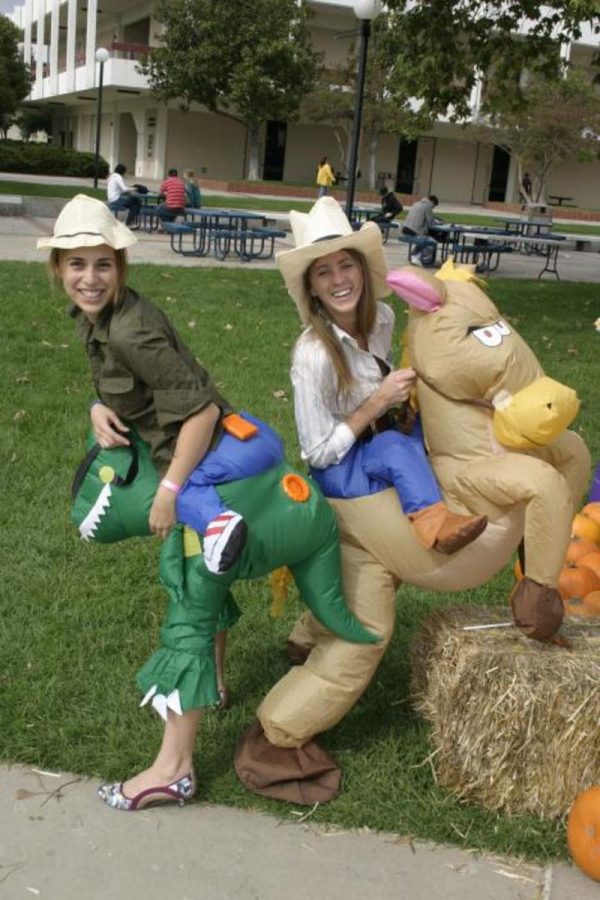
[[144, 372]]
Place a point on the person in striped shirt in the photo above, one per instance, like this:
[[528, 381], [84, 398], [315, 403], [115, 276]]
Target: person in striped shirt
[[173, 192]]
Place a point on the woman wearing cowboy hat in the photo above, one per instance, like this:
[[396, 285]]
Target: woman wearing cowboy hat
[[348, 398]]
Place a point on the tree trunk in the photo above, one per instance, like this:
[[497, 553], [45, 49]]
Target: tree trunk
[[373, 145], [253, 148]]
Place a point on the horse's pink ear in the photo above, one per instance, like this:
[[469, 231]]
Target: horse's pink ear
[[418, 289]]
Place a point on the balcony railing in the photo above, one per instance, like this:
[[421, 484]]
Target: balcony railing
[[126, 50]]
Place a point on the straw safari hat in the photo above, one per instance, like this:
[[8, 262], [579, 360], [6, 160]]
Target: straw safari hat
[[323, 230], [87, 222]]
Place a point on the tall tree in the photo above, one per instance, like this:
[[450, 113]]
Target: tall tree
[[252, 62], [333, 99], [15, 77], [558, 119], [436, 50], [32, 119]]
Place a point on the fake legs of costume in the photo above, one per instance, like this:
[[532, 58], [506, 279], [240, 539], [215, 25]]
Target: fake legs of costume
[[179, 679], [550, 481], [231, 460], [314, 697], [398, 459], [389, 458]]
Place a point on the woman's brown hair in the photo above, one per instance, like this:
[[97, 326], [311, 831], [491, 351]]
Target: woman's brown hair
[[318, 319]]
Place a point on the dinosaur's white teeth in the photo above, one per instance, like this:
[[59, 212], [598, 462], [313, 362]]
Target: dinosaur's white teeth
[[87, 529]]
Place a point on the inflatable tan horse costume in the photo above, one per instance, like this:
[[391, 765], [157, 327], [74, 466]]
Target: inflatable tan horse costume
[[472, 370]]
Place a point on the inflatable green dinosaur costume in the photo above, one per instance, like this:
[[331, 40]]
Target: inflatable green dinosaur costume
[[289, 523]]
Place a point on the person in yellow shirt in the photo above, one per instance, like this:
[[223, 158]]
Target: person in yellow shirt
[[325, 177]]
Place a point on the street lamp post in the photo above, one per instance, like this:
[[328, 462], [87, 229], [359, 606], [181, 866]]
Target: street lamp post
[[366, 11], [102, 55]]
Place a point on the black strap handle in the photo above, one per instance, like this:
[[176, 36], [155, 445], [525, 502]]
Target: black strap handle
[[84, 466]]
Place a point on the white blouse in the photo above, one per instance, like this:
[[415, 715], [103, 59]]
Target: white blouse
[[320, 408]]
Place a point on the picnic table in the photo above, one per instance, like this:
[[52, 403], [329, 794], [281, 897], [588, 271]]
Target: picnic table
[[222, 231], [362, 214], [487, 252], [559, 200], [526, 226]]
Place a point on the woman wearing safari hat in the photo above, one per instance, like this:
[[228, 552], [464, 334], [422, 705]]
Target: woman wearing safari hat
[[147, 378], [350, 404]]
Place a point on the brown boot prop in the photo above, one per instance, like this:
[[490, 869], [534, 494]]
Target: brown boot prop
[[305, 775], [537, 609], [438, 528]]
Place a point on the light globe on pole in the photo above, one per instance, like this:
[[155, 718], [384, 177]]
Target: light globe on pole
[[366, 11], [102, 56]]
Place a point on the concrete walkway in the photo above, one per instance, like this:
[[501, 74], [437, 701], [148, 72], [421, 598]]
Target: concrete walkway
[[18, 235], [58, 842], [61, 843]]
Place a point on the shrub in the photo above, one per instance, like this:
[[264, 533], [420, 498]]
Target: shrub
[[46, 159]]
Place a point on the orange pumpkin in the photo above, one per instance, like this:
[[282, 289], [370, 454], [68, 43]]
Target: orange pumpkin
[[576, 580], [584, 527], [579, 547], [591, 561], [592, 601], [583, 831], [587, 607], [592, 510]]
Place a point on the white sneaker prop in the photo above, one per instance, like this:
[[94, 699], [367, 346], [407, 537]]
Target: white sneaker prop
[[223, 541]]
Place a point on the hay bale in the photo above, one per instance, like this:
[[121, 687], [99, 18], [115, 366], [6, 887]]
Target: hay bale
[[515, 725]]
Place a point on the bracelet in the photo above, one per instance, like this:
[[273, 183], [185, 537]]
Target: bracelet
[[170, 486], [95, 403]]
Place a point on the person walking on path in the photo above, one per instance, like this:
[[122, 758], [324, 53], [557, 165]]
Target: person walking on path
[[325, 177], [173, 191], [119, 196]]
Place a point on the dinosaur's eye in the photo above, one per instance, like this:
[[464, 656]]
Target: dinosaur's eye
[[502, 327], [489, 336]]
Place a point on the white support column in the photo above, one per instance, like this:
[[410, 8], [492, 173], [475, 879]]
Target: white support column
[[71, 38], [90, 42], [39, 48], [54, 47], [160, 143], [139, 120], [114, 137], [27, 18], [476, 94]]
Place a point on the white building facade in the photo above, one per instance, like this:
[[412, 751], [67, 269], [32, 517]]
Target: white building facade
[[60, 38]]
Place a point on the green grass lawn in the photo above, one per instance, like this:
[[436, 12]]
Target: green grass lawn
[[78, 620], [231, 201]]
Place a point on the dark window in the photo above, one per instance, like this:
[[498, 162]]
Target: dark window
[[274, 160]]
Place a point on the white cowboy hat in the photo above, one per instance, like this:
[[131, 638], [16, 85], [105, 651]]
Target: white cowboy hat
[[323, 230], [86, 222]]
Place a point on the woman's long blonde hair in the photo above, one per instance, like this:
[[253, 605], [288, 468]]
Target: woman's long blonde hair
[[321, 323]]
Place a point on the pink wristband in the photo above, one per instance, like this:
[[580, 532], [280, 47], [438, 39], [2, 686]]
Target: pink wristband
[[170, 486]]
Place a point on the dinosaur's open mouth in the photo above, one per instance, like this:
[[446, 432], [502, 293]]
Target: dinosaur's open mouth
[[88, 527]]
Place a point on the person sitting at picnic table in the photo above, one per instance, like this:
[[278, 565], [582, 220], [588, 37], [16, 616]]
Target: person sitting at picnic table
[[420, 222], [193, 195], [172, 191], [390, 207], [119, 196]]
